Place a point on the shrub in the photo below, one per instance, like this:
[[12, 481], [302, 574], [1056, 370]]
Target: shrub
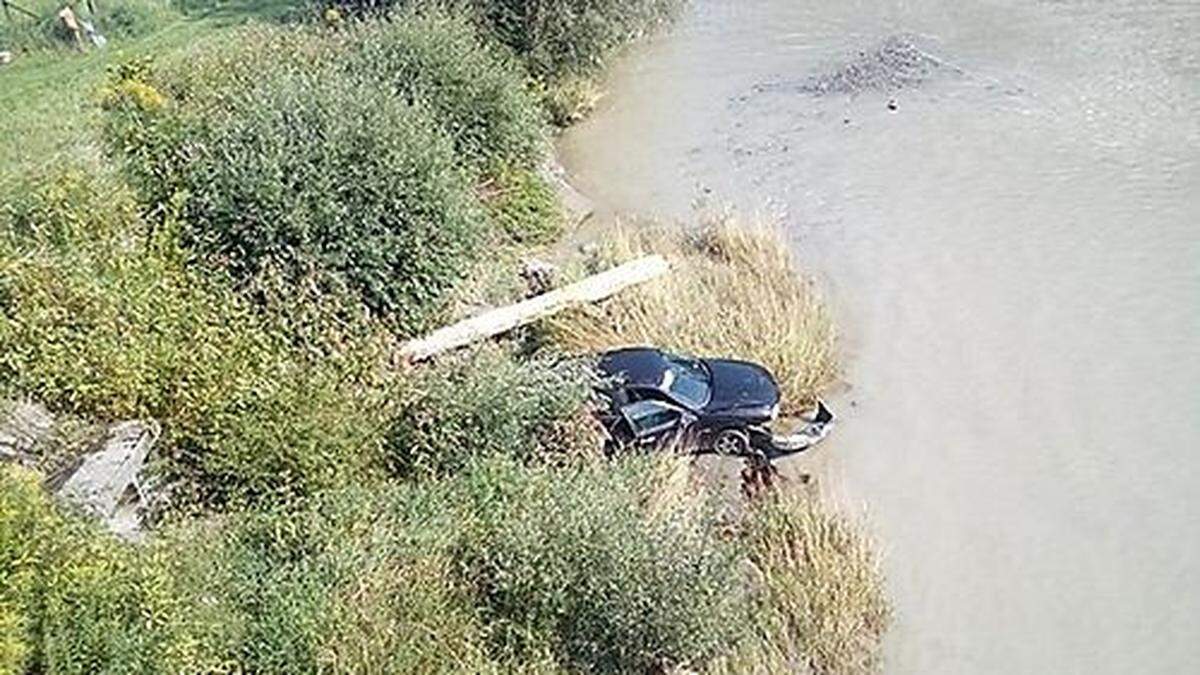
[[304, 431], [134, 18], [590, 568], [84, 602], [21, 508], [359, 580], [523, 207], [554, 37], [318, 173], [474, 91], [100, 320], [733, 291], [577, 564], [355, 581], [561, 37], [322, 176], [485, 403], [819, 605], [569, 98], [100, 317]]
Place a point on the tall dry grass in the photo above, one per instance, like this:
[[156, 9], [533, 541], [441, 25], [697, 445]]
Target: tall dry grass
[[733, 291], [820, 605]]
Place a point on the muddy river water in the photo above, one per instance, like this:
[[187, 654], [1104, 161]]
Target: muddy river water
[[1002, 202]]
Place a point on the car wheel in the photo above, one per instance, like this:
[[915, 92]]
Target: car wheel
[[732, 442]]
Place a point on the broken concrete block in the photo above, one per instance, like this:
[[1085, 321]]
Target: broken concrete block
[[22, 426], [103, 477]]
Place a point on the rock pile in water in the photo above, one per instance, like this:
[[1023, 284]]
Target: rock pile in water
[[895, 64]]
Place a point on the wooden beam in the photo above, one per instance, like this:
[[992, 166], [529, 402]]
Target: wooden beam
[[497, 321]]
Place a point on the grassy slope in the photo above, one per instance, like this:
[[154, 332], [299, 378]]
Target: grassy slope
[[49, 116], [49, 97]]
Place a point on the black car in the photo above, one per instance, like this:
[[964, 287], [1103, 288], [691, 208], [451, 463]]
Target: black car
[[656, 398]]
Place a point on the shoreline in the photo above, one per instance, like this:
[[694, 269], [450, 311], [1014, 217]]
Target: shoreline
[[1011, 248]]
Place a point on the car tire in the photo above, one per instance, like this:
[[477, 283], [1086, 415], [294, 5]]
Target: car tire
[[732, 442]]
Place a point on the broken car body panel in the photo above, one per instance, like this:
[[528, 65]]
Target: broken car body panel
[[814, 431]]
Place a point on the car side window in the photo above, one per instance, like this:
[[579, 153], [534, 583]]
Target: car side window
[[661, 419], [647, 417]]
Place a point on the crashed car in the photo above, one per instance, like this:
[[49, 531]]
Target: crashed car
[[651, 398]]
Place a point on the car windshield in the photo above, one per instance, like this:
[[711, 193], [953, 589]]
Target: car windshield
[[688, 381]]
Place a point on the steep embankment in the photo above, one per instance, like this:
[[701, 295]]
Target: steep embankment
[[275, 207]]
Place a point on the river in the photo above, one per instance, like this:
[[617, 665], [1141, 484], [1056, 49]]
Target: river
[[1008, 231]]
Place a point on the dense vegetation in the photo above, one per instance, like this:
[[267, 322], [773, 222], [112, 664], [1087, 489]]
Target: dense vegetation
[[447, 576], [352, 169], [232, 241]]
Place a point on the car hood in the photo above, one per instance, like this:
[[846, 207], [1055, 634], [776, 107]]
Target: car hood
[[738, 384]]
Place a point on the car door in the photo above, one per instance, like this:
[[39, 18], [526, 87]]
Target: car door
[[653, 421]]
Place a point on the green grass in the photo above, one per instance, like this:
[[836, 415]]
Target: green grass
[[49, 96]]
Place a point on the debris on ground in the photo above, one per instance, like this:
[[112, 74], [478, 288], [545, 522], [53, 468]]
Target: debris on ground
[[103, 477], [98, 41], [104, 483], [6, 57], [22, 426], [503, 319], [69, 23], [539, 275]]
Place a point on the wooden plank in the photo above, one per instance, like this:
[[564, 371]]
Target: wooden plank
[[497, 321]]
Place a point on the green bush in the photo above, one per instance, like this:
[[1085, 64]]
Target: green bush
[[354, 582], [523, 207], [504, 569], [304, 171], [554, 37], [475, 92], [561, 37], [581, 563], [22, 507], [358, 580], [485, 403], [81, 602], [100, 317], [564, 44], [133, 18]]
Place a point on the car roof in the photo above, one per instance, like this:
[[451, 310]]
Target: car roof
[[637, 366]]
